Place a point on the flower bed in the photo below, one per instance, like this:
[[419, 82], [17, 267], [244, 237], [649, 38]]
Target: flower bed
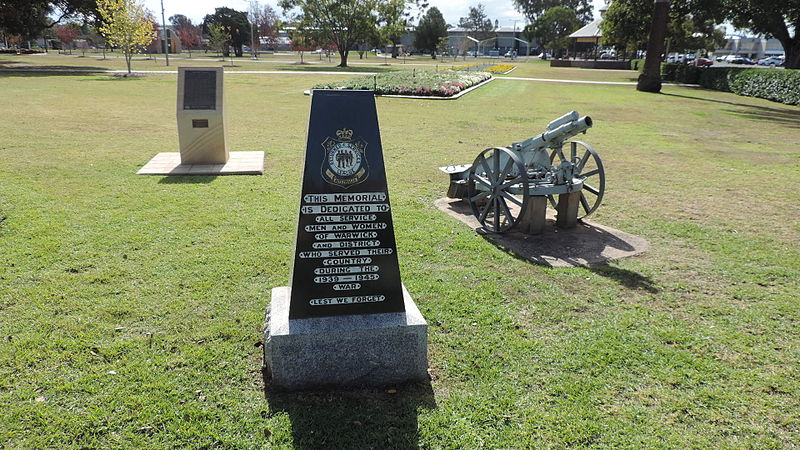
[[470, 66], [430, 84], [500, 68]]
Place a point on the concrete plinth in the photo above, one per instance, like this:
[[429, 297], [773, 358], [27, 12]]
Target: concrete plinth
[[351, 350], [567, 210]]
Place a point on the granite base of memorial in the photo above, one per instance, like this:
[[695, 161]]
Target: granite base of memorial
[[345, 350]]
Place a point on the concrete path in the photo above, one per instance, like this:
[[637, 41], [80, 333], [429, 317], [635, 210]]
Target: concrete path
[[314, 72], [550, 80]]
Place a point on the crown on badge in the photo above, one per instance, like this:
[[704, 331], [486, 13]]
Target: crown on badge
[[344, 134]]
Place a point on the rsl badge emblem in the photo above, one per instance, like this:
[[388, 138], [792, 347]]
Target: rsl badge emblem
[[345, 162]]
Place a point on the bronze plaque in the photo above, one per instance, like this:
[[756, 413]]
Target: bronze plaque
[[200, 90]]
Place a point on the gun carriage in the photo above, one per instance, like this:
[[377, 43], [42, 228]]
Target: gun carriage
[[502, 181]]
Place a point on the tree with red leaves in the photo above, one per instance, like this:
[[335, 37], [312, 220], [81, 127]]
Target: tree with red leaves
[[67, 35]]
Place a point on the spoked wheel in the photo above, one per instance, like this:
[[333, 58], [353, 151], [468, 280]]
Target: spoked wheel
[[588, 166], [497, 189]]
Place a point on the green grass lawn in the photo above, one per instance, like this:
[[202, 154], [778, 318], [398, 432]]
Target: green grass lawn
[[131, 307]]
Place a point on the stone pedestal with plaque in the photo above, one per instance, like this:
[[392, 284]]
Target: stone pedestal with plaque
[[201, 131], [346, 320]]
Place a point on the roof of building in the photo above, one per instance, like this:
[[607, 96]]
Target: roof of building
[[503, 29], [592, 30]]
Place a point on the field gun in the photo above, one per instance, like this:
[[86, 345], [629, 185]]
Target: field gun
[[504, 184]]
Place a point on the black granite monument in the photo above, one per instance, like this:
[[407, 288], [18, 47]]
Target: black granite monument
[[346, 320], [345, 259]]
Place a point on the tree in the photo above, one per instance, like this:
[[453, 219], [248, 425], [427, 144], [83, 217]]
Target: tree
[[477, 23], [219, 39], [301, 42], [235, 23], [443, 46], [627, 23], [187, 32], [775, 18], [394, 19], [127, 25], [67, 35], [344, 23], [554, 27], [533, 9], [266, 25], [430, 30], [30, 18]]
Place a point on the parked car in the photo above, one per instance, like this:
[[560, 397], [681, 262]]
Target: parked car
[[674, 58], [746, 60], [733, 59], [544, 55], [608, 55], [702, 62], [771, 60]]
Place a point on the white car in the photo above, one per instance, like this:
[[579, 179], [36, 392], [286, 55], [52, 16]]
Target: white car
[[771, 60]]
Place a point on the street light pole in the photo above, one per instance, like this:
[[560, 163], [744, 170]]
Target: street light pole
[[253, 12], [164, 30]]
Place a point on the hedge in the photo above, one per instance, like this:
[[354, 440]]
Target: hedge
[[776, 85], [772, 84], [719, 78]]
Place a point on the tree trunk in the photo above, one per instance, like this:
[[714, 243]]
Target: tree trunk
[[792, 49], [128, 56], [650, 79], [343, 57]]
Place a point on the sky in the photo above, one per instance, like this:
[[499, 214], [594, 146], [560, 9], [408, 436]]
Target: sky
[[452, 10]]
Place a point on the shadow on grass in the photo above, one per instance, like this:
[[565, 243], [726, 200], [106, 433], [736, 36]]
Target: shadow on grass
[[357, 418], [118, 77], [47, 71], [625, 277], [187, 179], [754, 112]]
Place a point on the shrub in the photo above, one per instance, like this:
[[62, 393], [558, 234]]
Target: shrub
[[719, 78], [687, 73], [668, 71], [637, 64], [776, 85]]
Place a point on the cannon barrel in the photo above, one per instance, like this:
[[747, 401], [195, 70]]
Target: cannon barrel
[[568, 129], [566, 126], [568, 117]]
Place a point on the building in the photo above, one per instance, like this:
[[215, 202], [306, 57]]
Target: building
[[750, 47], [587, 38]]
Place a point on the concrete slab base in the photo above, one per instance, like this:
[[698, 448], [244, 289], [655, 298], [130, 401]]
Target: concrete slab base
[[239, 163], [585, 244], [352, 350]]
